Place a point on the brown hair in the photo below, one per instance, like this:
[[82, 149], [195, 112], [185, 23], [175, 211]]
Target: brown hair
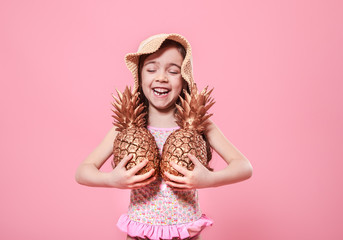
[[165, 44], [143, 99]]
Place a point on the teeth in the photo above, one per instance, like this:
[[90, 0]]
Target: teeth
[[160, 91]]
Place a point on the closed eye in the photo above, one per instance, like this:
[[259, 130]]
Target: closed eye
[[174, 68], [174, 71]]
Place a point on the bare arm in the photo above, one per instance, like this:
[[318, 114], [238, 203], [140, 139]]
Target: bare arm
[[238, 169], [88, 172]]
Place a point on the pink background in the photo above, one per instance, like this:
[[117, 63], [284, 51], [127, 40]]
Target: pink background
[[276, 67]]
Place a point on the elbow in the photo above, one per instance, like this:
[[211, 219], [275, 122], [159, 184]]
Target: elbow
[[248, 170], [78, 176]]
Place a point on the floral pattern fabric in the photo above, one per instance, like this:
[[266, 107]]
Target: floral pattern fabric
[[157, 203]]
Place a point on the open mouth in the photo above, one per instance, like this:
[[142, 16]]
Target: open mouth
[[160, 91]]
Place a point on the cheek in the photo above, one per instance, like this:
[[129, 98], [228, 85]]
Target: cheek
[[179, 84], [144, 88], [144, 80]]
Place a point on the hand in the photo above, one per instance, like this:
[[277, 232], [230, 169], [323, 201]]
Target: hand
[[121, 178], [200, 177]]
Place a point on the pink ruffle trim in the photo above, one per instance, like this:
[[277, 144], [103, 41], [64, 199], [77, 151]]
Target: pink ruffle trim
[[182, 231]]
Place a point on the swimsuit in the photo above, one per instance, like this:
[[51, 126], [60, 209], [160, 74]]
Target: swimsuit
[[156, 211]]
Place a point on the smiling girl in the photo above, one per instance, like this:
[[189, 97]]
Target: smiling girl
[[162, 68]]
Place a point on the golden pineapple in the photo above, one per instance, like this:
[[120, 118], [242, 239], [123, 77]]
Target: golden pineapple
[[133, 138], [191, 116]]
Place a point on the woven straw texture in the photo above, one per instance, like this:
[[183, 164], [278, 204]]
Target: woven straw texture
[[151, 45]]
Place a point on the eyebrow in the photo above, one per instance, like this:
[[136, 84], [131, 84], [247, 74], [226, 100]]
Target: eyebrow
[[174, 64], [170, 64], [148, 62]]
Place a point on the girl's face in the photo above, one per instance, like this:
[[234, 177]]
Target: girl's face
[[161, 78]]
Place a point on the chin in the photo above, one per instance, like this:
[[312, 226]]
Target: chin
[[164, 108]]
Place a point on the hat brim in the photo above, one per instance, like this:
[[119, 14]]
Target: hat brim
[[150, 46]]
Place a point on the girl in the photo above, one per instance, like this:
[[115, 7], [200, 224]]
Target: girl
[[160, 209]]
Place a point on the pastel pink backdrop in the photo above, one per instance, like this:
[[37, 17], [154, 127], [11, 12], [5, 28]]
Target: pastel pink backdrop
[[276, 67]]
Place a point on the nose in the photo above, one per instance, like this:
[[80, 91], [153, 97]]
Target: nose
[[162, 77]]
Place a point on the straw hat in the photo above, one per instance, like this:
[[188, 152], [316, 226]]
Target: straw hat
[[151, 45]]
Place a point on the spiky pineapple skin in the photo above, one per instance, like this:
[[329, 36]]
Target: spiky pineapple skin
[[177, 146], [139, 142]]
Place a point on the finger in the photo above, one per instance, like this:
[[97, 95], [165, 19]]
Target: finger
[[138, 167], [125, 160], [184, 171], [178, 186], [140, 178], [177, 179], [180, 189], [142, 184], [194, 160]]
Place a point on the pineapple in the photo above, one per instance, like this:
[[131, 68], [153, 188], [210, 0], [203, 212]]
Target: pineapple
[[133, 138], [191, 116]]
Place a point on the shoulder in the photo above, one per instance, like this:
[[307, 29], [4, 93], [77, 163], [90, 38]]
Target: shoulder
[[214, 134], [111, 134], [210, 127], [103, 150], [107, 141]]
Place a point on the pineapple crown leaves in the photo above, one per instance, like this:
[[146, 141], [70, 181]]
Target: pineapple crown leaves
[[192, 112], [127, 110]]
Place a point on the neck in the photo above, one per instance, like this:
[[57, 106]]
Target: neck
[[161, 119]]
